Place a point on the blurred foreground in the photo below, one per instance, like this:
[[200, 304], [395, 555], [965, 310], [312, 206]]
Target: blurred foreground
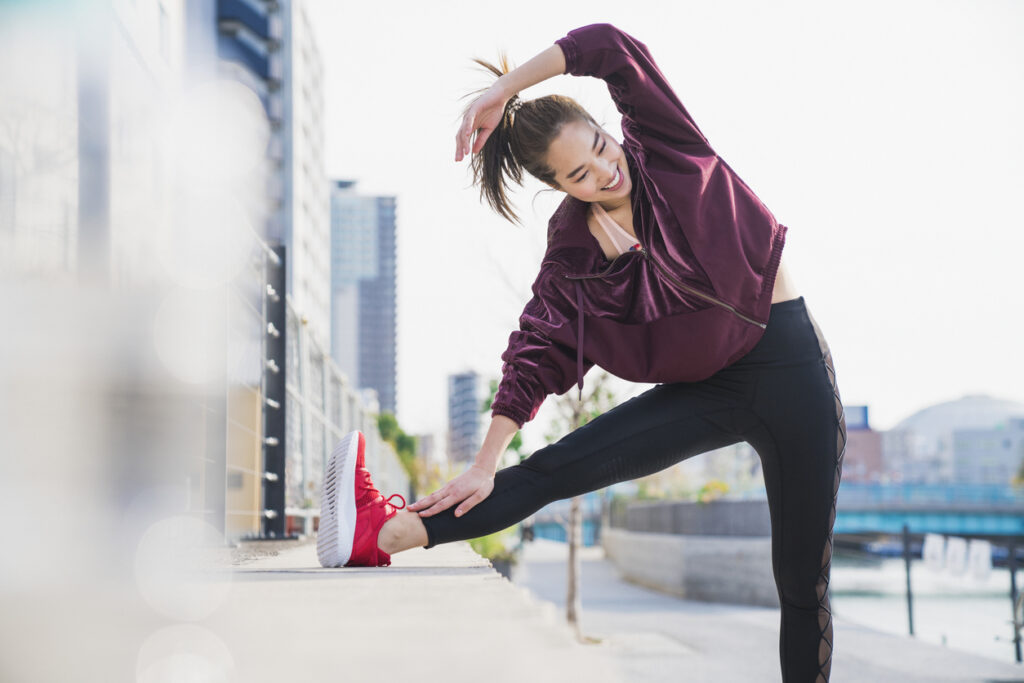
[[269, 613]]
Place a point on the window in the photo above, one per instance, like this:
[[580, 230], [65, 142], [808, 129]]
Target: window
[[165, 35], [7, 189]]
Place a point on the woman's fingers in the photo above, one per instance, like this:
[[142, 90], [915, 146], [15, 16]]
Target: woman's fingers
[[481, 138], [439, 506], [469, 503], [441, 499], [428, 500], [461, 147], [467, 144], [463, 137], [467, 490]]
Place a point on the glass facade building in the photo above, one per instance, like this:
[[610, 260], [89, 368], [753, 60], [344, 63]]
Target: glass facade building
[[364, 290]]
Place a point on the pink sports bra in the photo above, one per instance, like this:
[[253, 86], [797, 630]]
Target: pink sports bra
[[621, 240]]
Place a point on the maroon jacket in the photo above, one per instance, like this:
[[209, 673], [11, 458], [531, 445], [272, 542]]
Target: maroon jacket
[[695, 299]]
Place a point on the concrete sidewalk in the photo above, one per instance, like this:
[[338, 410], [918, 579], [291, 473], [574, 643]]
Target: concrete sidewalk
[[655, 637], [445, 615], [440, 615]]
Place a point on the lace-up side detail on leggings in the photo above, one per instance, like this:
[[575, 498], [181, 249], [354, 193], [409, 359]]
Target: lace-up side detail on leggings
[[824, 605]]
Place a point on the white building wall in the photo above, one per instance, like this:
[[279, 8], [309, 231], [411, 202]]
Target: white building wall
[[310, 203], [129, 54], [345, 332], [146, 57], [38, 145]]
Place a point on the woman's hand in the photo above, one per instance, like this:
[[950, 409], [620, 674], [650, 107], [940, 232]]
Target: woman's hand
[[483, 116], [469, 488], [485, 113]]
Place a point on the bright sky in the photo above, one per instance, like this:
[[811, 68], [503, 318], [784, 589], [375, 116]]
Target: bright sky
[[886, 136]]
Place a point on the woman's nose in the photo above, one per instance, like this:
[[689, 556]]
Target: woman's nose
[[608, 172]]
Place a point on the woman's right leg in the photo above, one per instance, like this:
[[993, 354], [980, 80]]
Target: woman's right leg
[[646, 434]]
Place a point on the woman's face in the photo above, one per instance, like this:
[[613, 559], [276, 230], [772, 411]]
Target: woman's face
[[589, 164]]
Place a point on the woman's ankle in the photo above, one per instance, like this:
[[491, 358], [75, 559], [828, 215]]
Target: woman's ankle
[[403, 531]]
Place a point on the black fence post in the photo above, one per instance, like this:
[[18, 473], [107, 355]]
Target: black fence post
[[906, 560], [1013, 597], [273, 514]]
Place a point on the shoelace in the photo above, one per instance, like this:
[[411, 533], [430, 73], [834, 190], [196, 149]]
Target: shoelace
[[387, 501], [367, 485]]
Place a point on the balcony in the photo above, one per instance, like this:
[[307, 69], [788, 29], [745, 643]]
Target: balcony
[[234, 48], [230, 12]]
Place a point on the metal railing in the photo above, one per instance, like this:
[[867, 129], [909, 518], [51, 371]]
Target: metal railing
[[322, 406]]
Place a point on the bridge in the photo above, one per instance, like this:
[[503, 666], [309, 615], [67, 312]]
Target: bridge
[[955, 509], [980, 510]]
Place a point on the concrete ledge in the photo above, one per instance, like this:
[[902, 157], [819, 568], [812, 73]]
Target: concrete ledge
[[442, 614], [728, 569]]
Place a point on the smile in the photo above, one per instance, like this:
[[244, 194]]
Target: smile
[[616, 181]]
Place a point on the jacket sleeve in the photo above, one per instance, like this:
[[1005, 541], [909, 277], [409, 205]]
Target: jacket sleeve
[[541, 354], [639, 89]]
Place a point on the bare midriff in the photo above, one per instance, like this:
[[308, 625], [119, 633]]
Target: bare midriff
[[784, 289]]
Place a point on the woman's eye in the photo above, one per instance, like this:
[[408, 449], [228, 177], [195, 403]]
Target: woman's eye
[[599, 153]]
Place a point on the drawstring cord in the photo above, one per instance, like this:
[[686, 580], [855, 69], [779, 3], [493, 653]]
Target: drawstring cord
[[579, 338]]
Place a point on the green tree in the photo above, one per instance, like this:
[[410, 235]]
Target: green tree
[[387, 423], [405, 446]]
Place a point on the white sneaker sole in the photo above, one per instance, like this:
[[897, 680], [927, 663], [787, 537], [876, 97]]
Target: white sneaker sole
[[338, 504]]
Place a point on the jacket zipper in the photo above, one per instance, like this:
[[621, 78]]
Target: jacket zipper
[[671, 278], [699, 293]]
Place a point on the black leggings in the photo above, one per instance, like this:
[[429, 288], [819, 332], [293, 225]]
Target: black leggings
[[782, 399]]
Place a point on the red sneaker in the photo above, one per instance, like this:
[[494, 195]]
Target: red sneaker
[[352, 510]]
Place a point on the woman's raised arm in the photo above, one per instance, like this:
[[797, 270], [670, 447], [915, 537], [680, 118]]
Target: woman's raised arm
[[641, 93], [484, 114]]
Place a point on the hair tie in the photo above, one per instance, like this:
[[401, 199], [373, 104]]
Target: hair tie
[[514, 104]]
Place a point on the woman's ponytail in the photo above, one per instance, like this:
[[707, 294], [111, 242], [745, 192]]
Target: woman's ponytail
[[520, 142], [495, 167]]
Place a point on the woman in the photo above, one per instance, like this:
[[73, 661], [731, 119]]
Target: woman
[[661, 266]]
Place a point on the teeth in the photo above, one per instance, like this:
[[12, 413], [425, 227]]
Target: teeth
[[615, 179]]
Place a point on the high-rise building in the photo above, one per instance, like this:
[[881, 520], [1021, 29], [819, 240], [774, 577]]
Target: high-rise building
[[247, 41], [305, 228], [363, 289], [270, 47], [466, 394]]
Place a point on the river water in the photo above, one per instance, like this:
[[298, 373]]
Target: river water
[[961, 612]]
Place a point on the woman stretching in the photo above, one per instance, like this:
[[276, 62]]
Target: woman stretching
[[661, 266]]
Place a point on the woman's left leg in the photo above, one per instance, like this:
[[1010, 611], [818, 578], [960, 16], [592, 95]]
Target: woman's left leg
[[800, 434], [643, 435]]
